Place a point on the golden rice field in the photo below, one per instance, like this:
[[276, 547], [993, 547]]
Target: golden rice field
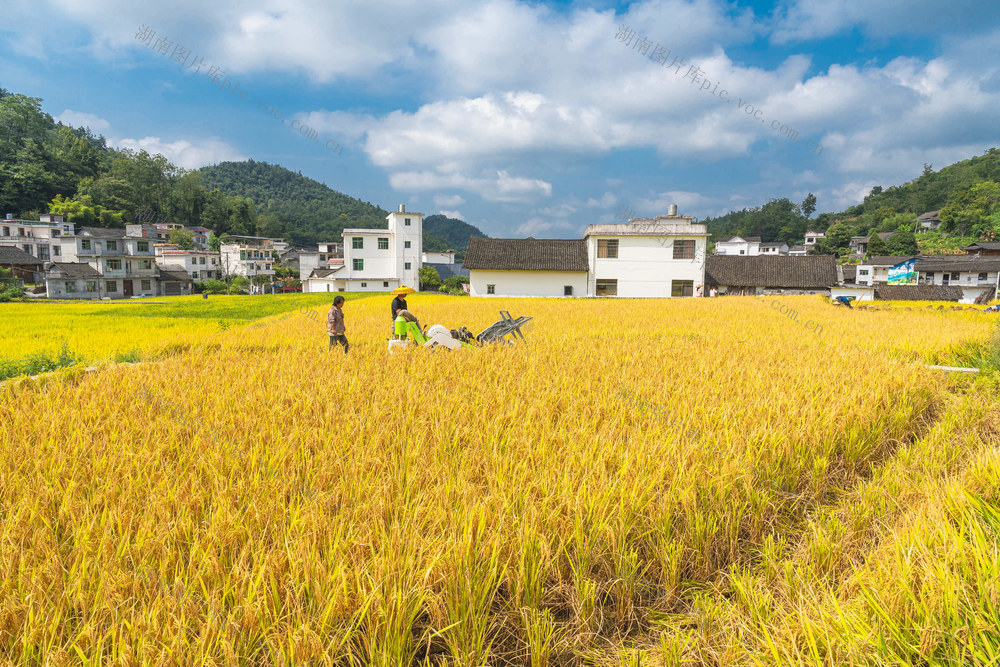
[[677, 482]]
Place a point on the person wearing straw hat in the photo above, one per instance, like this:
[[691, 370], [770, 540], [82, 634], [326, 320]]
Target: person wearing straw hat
[[399, 305]]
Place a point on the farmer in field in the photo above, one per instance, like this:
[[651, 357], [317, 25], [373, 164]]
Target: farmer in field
[[335, 324], [399, 305]]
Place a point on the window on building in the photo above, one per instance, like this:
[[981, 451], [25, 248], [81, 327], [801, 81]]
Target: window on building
[[147, 285], [202, 260], [27, 248], [85, 244], [406, 244], [863, 272], [55, 251], [6, 231], [364, 284], [491, 289], [406, 221], [113, 264], [567, 290], [385, 283], [91, 285], [607, 287], [685, 249], [607, 248], [111, 285], [682, 288], [112, 245], [383, 243], [20, 231], [56, 233], [243, 255], [407, 266], [359, 264], [194, 274], [69, 286], [213, 261], [982, 277], [357, 242], [322, 258], [145, 264], [955, 277], [143, 246], [742, 252]]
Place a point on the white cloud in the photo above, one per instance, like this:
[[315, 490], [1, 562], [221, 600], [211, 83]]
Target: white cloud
[[541, 226], [83, 119], [183, 153], [452, 214], [448, 200], [685, 201], [607, 200], [500, 187]]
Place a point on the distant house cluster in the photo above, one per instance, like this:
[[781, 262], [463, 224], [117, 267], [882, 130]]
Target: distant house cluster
[[967, 278], [752, 246], [77, 262]]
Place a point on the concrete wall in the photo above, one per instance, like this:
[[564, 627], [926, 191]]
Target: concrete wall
[[527, 283]]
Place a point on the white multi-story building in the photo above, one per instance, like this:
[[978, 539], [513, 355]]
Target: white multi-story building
[[98, 263], [248, 256], [39, 238], [647, 257], [375, 260]]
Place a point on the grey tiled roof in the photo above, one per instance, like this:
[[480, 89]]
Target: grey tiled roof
[[918, 293], [11, 256], [75, 269], [959, 263], [528, 254], [175, 275], [810, 271], [886, 260]]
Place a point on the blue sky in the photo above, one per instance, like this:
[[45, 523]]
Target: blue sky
[[530, 118]]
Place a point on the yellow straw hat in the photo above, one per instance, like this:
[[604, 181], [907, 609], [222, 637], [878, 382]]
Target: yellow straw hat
[[403, 289]]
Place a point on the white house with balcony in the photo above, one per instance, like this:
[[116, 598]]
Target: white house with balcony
[[374, 260], [248, 256], [646, 257], [39, 238], [813, 237], [748, 246]]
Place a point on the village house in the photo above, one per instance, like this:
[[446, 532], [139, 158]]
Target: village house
[[798, 250], [813, 237], [126, 265], [975, 275], [39, 238], [983, 249], [660, 257], [248, 256], [738, 245], [374, 260], [22, 265], [774, 248], [198, 264], [929, 221], [527, 267], [813, 274], [876, 269]]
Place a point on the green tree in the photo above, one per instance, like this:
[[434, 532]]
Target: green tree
[[85, 212], [184, 238], [214, 242], [902, 243], [809, 205], [876, 246], [837, 241], [429, 278]]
